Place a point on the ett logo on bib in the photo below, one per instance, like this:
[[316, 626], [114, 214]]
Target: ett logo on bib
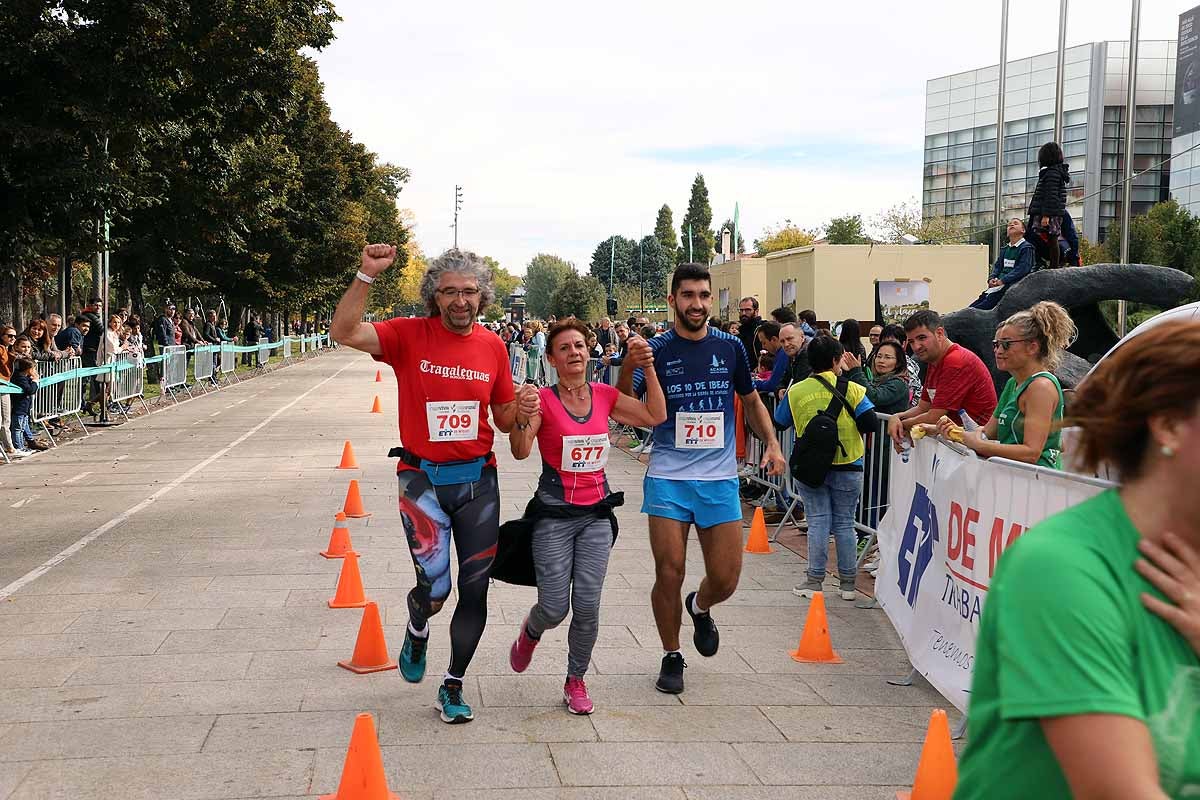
[[704, 430], [587, 453], [453, 420]]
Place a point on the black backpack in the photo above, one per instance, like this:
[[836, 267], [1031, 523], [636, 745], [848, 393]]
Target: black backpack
[[815, 449]]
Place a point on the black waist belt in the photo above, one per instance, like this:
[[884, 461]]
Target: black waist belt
[[414, 460]]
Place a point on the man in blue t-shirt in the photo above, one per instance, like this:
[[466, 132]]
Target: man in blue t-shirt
[[692, 477]]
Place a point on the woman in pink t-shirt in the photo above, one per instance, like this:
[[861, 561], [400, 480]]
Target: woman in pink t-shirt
[[572, 540]]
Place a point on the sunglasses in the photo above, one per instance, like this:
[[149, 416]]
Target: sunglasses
[[1006, 344]]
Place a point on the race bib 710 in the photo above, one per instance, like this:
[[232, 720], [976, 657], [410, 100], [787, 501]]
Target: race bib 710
[[703, 430]]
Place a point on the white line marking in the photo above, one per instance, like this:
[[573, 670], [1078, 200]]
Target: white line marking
[[214, 413], [121, 458], [78, 477], [147, 444], [20, 503], [57, 559]]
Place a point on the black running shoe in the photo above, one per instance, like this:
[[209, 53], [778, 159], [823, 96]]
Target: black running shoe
[[670, 677], [706, 638]]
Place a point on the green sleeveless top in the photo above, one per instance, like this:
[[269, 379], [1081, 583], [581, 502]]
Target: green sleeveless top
[[1010, 428]]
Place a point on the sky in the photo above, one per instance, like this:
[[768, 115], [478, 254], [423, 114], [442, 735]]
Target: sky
[[567, 122]]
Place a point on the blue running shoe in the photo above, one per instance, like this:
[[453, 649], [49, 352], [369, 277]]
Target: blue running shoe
[[412, 657], [454, 710]]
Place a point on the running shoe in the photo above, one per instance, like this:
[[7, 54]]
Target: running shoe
[[20, 453], [670, 676], [575, 695], [412, 657], [521, 652], [847, 589], [810, 587], [454, 710], [706, 638]]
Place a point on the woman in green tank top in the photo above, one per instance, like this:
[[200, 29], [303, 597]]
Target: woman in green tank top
[[1026, 423]]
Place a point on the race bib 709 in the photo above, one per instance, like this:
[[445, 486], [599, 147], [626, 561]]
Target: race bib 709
[[453, 420]]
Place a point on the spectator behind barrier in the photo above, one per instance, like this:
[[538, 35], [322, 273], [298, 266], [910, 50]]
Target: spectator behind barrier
[[768, 341], [8, 335], [1014, 263], [957, 384], [785, 316], [895, 333], [885, 377], [794, 344], [1086, 664], [25, 378], [850, 335], [1027, 423]]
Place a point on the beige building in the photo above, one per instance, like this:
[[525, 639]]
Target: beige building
[[838, 280]]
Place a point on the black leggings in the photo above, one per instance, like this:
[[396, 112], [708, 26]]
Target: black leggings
[[470, 512]]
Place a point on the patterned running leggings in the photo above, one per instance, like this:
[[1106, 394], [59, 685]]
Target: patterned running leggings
[[470, 513], [570, 557]]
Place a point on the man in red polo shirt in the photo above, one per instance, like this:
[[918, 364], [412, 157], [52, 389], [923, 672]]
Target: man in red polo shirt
[[449, 371], [956, 384]]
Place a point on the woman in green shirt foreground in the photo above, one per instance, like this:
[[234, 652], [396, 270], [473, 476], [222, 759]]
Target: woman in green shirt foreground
[[1087, 673], [1026, 423]]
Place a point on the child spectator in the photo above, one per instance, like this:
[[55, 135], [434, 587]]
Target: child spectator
[[1049, 201], [766, 362], [25, 378]]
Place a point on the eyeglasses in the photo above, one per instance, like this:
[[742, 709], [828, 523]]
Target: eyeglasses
[[10, 336], [465, 294], [746, 310], [1006, 344]]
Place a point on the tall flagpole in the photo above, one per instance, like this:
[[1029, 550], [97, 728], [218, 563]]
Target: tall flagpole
[[1130, 119], [691, 258]]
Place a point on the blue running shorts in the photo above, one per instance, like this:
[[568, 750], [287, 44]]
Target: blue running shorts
[[705, 503]]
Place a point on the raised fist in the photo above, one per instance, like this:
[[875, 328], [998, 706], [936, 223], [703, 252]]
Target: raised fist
[[377, 257], [639, 355]]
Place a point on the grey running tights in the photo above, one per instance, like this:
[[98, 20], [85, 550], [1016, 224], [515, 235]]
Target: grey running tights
[[570, 557]]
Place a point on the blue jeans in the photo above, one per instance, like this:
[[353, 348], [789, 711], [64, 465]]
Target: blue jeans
[[830, 507], [21, 432]]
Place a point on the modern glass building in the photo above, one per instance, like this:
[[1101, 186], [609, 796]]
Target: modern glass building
[[960, 135]]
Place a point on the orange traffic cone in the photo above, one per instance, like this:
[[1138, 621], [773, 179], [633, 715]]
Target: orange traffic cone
[[815, 646], [937, 771], [370, 649], [339, 540], [348, 459], [376, 408], [363, 777], [349, 592], [353, 507], [758, 543], [378, 376]]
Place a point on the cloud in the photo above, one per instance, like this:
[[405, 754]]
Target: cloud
[[566, 123]]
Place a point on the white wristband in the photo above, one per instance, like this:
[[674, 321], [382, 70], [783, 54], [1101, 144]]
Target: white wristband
[[364, 277]]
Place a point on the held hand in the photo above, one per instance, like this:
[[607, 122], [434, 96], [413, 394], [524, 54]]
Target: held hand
[[993, 282], [377, 257], [529, 401], [850, 361], [895, 430], [773, 460], [640, 354], [1174, 568]]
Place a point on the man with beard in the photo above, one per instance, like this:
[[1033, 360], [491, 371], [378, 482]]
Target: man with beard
[[449, 371], [748, 322], [692, 476]]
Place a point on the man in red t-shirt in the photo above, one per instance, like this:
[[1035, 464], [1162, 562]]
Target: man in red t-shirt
[[449, 371], [956, 383]]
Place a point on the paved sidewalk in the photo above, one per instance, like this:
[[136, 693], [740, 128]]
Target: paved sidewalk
[[187, 651]]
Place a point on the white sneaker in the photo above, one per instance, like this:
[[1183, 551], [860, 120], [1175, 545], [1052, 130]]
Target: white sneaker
[[640, 448], [646, 450], [872, 565], [20, 454]]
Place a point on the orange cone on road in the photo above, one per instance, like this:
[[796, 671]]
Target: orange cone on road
[[363, 777], [339, 540], [815, 646], [758, 542], [348, 460], [378, 376], [353, 508], [349, 592], [937, 771], [370, 649], [376, 408]]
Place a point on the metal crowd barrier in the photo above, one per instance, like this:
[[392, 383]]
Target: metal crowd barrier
[[175, 370], [129, 381], [59, 393], [202, 366], [228, 363], [287, 347]]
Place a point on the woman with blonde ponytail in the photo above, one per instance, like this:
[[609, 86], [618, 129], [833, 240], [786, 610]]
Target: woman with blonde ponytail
[[1025, 426]]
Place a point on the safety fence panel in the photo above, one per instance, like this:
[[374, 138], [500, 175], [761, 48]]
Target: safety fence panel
[[264, 352], [518, 362], [287, 347], [130, 377], [174, 366], [228, 358], [60, 390], [202, 367]]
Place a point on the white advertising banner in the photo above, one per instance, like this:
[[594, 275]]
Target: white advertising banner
[[950, 518]]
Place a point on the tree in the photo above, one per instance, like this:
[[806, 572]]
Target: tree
[[502, 280], [543, 276], [740, 247], [656, 265], [577, 296], [905, 219], [784, 236], [623, 268], [664, 231], [699, 220], [846, 230]]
